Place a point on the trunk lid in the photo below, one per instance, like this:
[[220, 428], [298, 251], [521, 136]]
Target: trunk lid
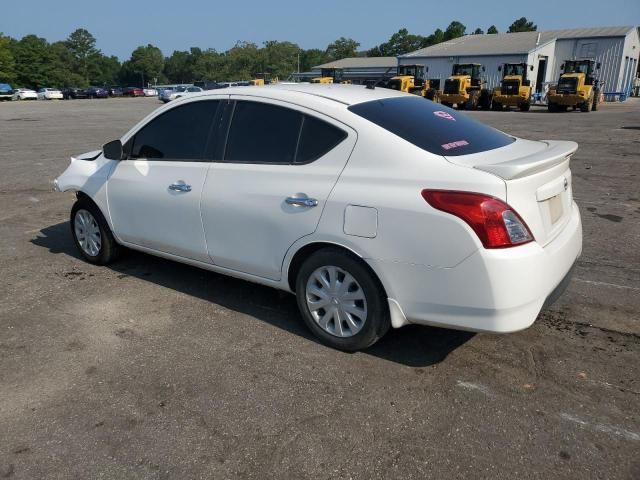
[[537, 179]]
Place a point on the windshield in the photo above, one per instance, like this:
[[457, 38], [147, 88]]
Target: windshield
[[514, 69], [576, 67], [431, 126], [413, 70], [465, 69]]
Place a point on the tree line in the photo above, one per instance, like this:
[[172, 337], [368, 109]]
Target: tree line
[[33, 62]]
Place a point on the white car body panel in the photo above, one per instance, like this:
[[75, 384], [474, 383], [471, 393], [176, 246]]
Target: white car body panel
[[432, 265]]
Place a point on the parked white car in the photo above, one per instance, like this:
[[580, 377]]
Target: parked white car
[[375, 208], [49, 94], [150, 92], [182, 91], [24, 94]]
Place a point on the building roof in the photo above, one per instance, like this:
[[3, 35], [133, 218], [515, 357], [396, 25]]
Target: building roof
[[361, 62], [511, 43]]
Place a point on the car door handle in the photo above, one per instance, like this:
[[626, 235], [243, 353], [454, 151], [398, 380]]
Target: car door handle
[[302, 201], [180, 187]]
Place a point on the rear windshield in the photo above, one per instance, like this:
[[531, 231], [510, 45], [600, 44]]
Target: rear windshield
[[431, 126]]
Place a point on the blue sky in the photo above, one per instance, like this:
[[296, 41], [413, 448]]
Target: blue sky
[[120, 26]]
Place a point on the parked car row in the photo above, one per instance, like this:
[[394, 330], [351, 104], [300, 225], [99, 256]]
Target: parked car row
[[7, 92]]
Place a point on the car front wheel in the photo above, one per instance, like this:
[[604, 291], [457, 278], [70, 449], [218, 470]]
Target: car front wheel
[[341, 300], [91, 233]]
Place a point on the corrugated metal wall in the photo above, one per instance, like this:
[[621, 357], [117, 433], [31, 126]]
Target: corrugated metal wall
[[612, 52], [607, 51]]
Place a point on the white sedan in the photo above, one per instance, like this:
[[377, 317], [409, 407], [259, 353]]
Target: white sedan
[[150, 92], [182, 91], [24, 94], [49, 94], [376, 208]]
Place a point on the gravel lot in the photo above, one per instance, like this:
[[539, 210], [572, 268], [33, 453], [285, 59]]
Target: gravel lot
[[150, 369]]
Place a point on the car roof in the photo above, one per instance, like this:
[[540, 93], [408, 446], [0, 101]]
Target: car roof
[[344, 94]]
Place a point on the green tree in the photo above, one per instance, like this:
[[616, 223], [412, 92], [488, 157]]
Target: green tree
[[522, 25], [34, 62], [280, 59], [342, 48], [7, 63], [82, 47], [400, 43], [242, 61], [492, 30], [147, 63], [454, 30], [436, 37], [178, 68], [312, 58], [478, 31]]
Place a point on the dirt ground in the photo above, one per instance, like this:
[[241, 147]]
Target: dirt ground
[[150, 370]]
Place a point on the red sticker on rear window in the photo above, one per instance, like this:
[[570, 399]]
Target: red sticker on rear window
[[456, 144], [441, 114]]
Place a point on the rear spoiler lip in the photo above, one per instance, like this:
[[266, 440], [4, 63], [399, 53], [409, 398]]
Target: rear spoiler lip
[[555, 153]]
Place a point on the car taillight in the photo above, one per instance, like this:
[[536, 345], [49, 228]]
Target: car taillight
[[496, 223]]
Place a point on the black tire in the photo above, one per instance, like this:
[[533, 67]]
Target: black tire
[[109, 248], [525, 106], [496, 106], [552, 107], [377, 321], [431, 94]]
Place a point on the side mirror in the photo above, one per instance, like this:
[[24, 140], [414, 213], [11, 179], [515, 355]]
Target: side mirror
[[562, 67], [113, 150], [598, 66], [531, 68]]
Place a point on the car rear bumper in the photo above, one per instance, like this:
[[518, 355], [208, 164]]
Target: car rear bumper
[[501, 290]]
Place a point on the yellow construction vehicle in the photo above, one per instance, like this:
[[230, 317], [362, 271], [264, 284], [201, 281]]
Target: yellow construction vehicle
[[263, 78], [577, 87], [411, 79], [515, 88], [465, 88], [331, 75]]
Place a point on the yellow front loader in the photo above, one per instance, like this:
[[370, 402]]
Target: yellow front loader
[[514, 89], [263, 78], [576, 88], [411, 79], [330, 75], [465, 88]]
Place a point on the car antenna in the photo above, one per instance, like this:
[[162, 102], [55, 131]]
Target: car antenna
[[372, 86]]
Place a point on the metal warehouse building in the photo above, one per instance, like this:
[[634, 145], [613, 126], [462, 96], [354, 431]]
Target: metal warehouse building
[[616, 48], [357, 69]]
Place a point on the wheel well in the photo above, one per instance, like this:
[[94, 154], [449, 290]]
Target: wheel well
[[308, 250]]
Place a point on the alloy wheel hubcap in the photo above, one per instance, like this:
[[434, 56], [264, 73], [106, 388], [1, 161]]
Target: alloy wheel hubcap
[[336, 301], [87, 232]]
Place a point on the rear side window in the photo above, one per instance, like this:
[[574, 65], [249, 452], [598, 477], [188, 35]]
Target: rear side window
[[263, 133], [316, 139], [178, 134], [431, 126]]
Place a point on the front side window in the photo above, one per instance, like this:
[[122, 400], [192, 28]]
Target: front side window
[[181, 133]]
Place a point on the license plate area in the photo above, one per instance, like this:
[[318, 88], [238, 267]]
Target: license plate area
[[555, 208]]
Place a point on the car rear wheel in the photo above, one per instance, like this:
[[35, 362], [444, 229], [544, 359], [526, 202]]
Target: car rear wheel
[[92, 234], [341, 300]]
